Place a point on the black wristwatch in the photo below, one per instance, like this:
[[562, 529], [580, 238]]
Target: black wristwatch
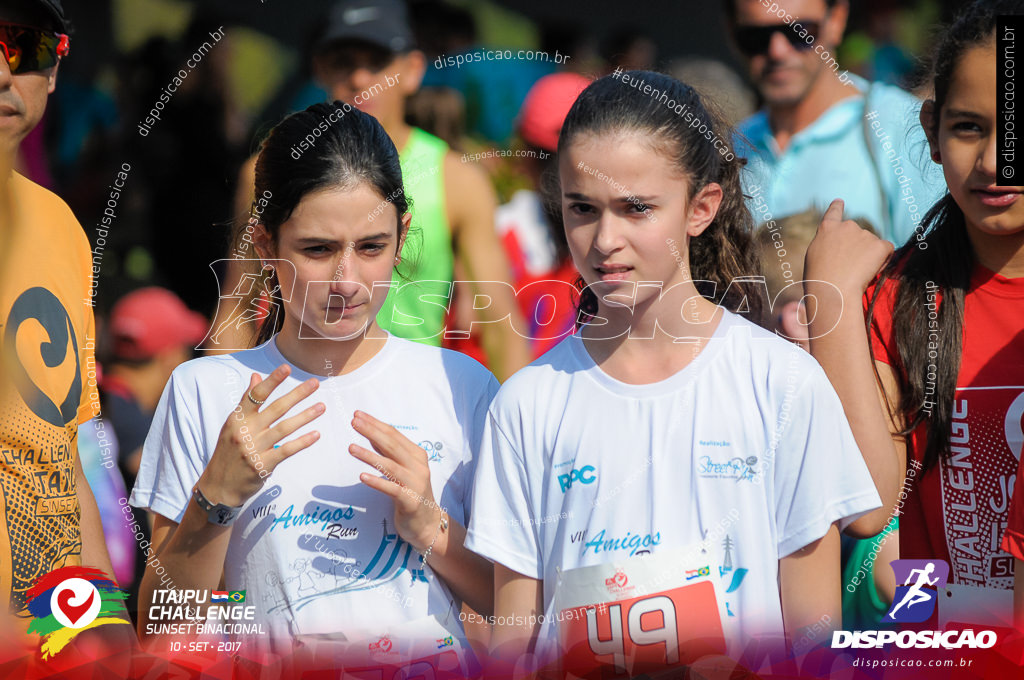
[[216, 513]]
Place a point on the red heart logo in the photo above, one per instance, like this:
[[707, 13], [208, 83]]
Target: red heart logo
[[621, 579], [74, 613], [385, 645]]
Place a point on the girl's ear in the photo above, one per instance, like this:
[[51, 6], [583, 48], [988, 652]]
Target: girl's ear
[[929, 123], [703, 208], [263, 243]]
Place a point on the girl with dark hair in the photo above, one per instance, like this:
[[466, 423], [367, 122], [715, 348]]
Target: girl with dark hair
[[362, 531], [668, 425], [939, 417]]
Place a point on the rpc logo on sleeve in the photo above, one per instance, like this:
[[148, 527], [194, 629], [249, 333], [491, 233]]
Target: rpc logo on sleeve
[[918, 583]]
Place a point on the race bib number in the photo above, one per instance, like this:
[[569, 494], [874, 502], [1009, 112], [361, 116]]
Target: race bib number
[[638, 616]]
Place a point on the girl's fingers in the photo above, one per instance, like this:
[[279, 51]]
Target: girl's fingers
[[381, 464], [262, 390], [385, 439], [280, 406], [289, 425], [291, 448], [834, 214], [382, 484]]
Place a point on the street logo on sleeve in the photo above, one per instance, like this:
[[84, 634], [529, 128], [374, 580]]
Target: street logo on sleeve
[[69, 600], [737, 467], [433, 450]]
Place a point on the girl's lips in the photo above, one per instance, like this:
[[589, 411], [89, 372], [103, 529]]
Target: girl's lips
[[997, 199], [346, 310], [614, 273]]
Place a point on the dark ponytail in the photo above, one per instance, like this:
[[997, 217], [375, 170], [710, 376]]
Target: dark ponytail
[[337, 146], [722, 258], [940, 260]]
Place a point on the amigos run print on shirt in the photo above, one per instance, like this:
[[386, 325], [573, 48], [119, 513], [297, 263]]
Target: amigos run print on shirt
[[316, 549], [745, 451]]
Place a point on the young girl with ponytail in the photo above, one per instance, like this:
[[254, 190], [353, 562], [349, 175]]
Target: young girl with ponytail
[[935, 388], [670, 457], [350, 534]]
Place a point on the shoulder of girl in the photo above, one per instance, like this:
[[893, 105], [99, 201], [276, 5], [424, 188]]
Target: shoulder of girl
[[455, 366], [221, 369]]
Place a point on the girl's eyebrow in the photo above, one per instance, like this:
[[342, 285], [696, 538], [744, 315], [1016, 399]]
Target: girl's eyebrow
[[313, 239], [622, 199], [320, 241], [960, 113]]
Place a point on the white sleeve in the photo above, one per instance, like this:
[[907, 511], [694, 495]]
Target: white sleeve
[[819, 473], [174, 454], [503, 528], [476, 433]]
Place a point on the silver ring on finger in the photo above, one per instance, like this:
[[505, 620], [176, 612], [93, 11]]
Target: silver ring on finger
[[258, 402]]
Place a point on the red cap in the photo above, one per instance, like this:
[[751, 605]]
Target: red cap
[[546, 106], [149, 320]]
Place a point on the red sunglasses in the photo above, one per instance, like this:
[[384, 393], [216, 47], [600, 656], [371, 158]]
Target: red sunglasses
[[29, 49]]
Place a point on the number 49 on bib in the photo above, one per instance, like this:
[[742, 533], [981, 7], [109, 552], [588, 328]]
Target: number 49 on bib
[[644, 634]]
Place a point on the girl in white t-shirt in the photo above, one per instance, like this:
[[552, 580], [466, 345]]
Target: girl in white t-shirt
[[671, 480], [354, 531]]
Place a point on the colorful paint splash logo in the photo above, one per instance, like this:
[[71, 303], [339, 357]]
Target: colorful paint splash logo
[[69, 600]]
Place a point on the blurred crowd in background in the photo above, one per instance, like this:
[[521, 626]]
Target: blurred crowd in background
[[157, 290]]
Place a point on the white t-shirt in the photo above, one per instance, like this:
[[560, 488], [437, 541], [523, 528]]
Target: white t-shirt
[[746, 447], [301, 545]]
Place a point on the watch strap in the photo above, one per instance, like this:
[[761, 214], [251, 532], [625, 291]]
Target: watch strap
[[216, 513]]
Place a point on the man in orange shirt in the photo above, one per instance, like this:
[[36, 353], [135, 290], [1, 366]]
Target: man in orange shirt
[[48, 516]]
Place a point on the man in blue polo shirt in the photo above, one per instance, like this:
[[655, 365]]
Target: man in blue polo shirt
[[825, 133]]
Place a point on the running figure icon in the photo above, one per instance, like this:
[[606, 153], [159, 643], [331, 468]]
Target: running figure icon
[[915, 594]]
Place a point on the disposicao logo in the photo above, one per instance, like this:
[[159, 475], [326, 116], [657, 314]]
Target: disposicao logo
[[917, 585], [918, 582], [69, 600]]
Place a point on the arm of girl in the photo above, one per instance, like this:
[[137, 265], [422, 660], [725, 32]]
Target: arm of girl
[[405, 477], [810, 585], [191, 555], [471, 206], [844, 256], [518, 605]]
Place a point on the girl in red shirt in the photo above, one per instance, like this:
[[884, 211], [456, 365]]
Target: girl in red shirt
[[945, 338]]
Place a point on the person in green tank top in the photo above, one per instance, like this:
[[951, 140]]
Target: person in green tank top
[[366, 58]]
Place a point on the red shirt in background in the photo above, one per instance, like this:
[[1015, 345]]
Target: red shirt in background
[[958, 510]]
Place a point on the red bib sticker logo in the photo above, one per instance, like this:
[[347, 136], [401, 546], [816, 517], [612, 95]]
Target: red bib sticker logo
[[618, 584], [69, 600]]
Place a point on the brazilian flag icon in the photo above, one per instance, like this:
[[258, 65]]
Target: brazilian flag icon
[[237, 596]]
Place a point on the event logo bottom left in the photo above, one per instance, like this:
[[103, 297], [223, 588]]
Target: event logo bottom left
[[69, 600]]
